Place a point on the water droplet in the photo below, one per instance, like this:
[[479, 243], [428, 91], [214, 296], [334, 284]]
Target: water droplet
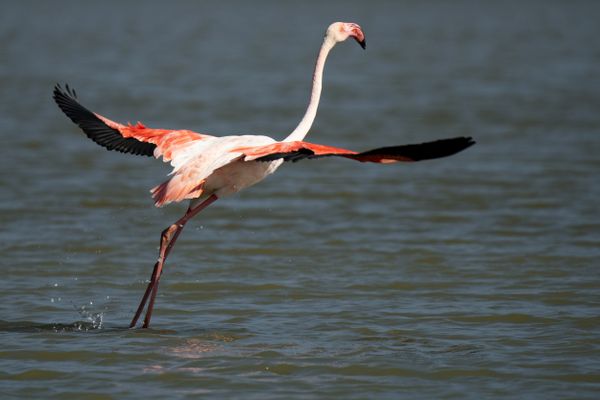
[[92, 320]]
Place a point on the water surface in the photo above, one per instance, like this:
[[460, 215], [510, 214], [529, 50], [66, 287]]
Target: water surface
[[474, 276]]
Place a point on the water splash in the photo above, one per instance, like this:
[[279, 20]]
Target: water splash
[[91, 320]]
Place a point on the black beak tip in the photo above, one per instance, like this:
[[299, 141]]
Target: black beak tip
[[363, 43]]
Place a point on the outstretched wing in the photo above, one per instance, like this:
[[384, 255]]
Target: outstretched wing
[[295, 151], [134, 139]]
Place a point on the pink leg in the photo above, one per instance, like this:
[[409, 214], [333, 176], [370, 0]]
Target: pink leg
[[155, 271], [144, 298], [167, 241]]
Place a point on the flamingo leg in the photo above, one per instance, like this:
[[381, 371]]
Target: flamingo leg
[[144, 298], [167, 241], [154, 275]]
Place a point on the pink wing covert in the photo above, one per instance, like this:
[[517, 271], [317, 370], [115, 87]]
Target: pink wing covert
[[134, 139], [297, 150]]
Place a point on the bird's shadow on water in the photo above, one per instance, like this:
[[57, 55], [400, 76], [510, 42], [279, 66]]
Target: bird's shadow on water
[[56, 327], [88, 326], [88, 322], [85, 327]]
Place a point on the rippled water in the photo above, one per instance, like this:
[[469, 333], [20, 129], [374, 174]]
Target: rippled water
[[474, 276]]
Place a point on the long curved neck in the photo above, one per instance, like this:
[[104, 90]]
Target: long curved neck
[[311, 112]]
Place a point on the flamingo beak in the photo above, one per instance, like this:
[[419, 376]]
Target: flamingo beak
[[359, 36], [363, 43]]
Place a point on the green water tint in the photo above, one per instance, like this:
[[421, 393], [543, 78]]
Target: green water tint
[[470, 277]]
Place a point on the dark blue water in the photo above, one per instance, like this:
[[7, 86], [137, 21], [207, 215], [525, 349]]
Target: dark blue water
[[474, 276]]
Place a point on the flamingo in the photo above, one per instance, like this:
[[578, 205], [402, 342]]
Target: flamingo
[[206, 167]]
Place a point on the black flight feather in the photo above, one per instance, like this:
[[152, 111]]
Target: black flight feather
[[95, 128]]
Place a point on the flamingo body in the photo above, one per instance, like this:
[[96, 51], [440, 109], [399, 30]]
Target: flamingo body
[[207, 167], [213, 166]]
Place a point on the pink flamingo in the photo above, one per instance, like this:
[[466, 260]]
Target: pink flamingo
[[206, 167]]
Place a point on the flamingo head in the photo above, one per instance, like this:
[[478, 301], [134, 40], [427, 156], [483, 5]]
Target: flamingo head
[[340, 31]]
